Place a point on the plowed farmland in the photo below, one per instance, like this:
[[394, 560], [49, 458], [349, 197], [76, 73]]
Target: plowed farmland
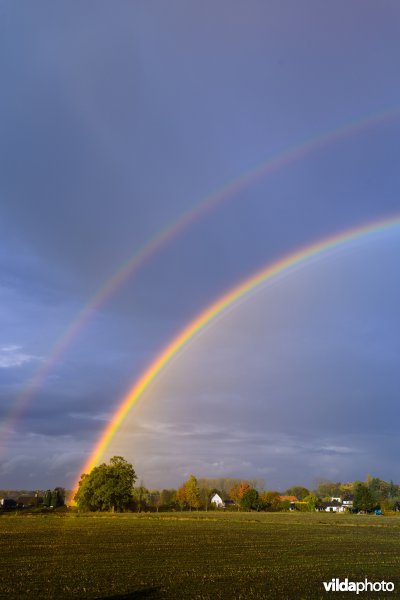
[[194, 555]]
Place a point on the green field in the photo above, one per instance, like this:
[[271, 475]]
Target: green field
[[194, 555]]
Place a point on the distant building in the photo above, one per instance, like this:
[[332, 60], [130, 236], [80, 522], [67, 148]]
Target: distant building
[[336, 505], [348, 501], [217, 500], [29, 500], [333, 506], [288, 498], [7, 503], [229, 502], [291, 499], [220, 503]]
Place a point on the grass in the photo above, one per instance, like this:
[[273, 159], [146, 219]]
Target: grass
[[194, 555]]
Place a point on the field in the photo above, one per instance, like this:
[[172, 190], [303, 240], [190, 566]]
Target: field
[[194, 555]]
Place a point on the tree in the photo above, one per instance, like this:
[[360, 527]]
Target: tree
[[376, 486], [168, 498], [249, 500], [47, 498], [141, 497], [328, 489], [297, 490], [205, 497], [393, 490], [236, 492], [192, 492], [57, 497], [270, 500], [363, 498], [189, 494], [181, 496], [107, 487], [244, 486], [311, 501], [284, 505], [54, 497], [155, 499]]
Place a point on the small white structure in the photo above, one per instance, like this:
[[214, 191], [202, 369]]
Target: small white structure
[[334, 505], [217, 500], [348, 501]]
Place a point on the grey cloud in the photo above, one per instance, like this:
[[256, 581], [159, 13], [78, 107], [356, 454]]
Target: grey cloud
[[14, 356], [165, 458]]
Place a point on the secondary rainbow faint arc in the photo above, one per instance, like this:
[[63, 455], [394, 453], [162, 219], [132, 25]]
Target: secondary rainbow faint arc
[[134, 263], [216, 308]]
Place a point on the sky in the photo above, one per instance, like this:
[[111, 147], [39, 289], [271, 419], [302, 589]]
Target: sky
[[115, 121]]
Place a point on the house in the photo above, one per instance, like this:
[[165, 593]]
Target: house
[[288, 498], [7, 503], [29, 500], [217, 500], [291, 499], [336, 504], [229, 502], [348, 501]]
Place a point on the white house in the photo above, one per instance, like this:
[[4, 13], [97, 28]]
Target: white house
[[348, 501], [333, 506], [217, 500], [337, 505]]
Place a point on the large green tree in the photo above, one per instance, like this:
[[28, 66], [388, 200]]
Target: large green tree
[[364, 499], [107, 487], [250, 499]]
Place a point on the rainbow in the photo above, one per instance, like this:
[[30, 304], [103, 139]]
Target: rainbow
[[320, 248], [167, 235]]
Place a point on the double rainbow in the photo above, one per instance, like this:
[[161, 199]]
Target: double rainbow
[[320, 248], [168, 234]]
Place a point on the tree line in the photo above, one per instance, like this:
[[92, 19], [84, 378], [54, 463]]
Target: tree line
[[111, 487], [10, 499]]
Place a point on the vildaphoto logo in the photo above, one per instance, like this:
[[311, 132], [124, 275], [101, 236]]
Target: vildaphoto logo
[[336, 585]]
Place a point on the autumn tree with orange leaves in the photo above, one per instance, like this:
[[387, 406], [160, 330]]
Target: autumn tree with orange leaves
[[181, 496], [236, 492], [189, 494]]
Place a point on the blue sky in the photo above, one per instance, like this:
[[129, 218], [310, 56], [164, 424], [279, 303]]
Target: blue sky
[[114, 122]]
